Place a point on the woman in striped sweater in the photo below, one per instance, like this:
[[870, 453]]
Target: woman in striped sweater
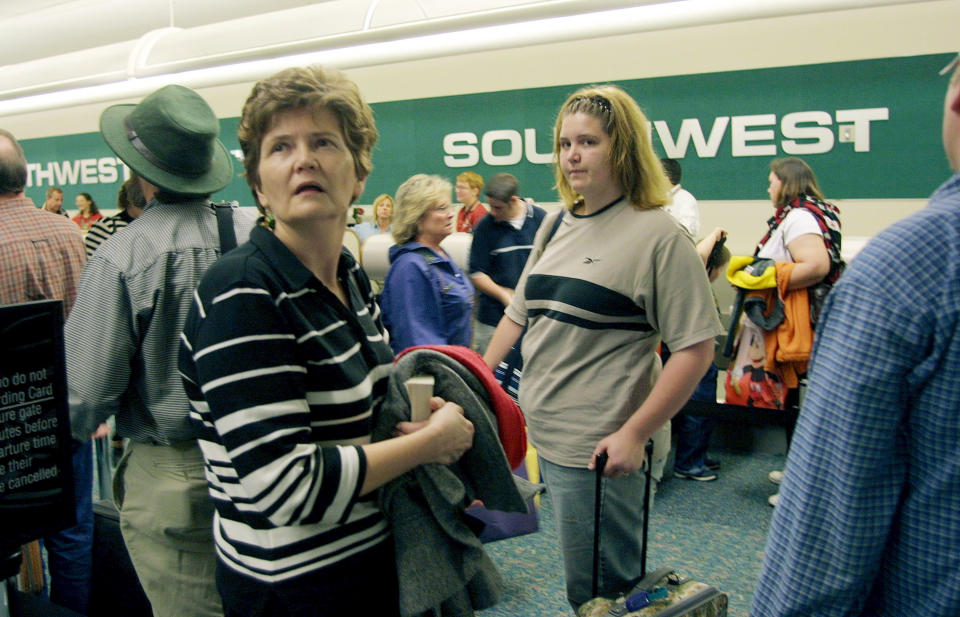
[[284, 359], [130, 202]]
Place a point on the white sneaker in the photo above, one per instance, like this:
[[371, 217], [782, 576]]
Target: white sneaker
[[775, 476], [773, 499]]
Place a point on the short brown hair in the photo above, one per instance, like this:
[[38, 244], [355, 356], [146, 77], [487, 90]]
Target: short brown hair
[[797, 178], [52, 190], [130, 194], [503, 187], [313, 88]]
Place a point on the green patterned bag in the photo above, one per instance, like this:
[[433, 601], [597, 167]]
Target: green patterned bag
[[663, 592], [684, 598]]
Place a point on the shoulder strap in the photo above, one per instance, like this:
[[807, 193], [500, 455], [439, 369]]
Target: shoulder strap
[[827, 216], [553, 230], [772, 223], [228, 238], [539, 247], [828, 219], [430, 258], [427, 255]]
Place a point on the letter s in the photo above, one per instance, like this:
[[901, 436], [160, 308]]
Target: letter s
[[459, 145], [822, 136], [107, 170]]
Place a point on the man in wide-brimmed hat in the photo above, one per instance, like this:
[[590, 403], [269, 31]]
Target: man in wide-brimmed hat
[[123, 336]]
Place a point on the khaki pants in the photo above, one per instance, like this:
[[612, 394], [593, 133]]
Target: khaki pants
[[166, 517], [658, 459]]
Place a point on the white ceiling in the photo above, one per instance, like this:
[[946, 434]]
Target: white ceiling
[[42, 28], [52, 46]]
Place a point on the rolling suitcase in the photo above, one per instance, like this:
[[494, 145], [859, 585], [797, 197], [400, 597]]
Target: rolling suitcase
[[661, 593], [115, 589]]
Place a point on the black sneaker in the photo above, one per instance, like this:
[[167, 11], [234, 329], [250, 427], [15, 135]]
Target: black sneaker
[[711, 463], [700, 475]]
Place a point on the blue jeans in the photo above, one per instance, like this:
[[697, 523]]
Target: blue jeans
[[70, 551], [571, 491], [693, 432]]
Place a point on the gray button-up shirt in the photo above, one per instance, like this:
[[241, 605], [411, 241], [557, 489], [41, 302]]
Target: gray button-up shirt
[[123, 335]]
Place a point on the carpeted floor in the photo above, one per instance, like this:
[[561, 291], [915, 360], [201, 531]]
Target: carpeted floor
[[714, 532]]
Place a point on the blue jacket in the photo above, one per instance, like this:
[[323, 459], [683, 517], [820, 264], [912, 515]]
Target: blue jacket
[[426, 299]]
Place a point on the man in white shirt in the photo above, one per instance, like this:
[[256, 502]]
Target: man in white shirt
[[683, 205]]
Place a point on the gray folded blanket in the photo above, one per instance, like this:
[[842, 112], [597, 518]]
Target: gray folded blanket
[[442, 567]]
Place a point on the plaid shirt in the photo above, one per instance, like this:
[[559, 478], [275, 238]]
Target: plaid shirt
[[868, 521], [41, 254]]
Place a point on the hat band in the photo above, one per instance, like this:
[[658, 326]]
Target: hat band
[[142, 148]]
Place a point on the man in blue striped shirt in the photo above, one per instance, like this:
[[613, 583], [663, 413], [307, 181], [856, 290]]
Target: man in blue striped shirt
[[868, 521]]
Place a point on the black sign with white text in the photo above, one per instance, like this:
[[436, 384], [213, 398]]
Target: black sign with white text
[[36, 488]]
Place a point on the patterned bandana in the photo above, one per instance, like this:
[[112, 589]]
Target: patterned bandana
[[828, 218]]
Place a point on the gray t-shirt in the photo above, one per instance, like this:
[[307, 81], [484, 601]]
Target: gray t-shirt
[[596, 304]]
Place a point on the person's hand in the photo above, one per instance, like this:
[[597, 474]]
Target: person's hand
[[453, 432], [406, 428], [705, 246], [102, 431], [624, 451]]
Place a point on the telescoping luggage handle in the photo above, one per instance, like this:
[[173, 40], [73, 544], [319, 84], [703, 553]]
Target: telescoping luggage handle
[[600, 465]]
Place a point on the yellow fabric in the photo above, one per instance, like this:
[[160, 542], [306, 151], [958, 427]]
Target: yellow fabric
[[737, 263], [533, 469], [745, 280]]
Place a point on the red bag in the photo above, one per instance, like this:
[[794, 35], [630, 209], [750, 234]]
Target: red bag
[[748, 381]]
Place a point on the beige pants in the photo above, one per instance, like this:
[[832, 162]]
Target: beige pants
[[658, 459], [166, 517]]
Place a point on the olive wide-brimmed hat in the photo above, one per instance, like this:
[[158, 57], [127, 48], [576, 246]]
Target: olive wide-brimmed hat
[[170, 140]]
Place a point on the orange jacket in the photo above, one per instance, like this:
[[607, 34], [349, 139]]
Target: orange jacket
[[789, 345]]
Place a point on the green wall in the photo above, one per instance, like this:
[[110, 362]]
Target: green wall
[[734, 122]]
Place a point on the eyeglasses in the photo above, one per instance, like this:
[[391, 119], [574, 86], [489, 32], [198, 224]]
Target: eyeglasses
[[952, 66]]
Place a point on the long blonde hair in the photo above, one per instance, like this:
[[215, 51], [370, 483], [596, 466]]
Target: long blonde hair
[[635, 165]]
